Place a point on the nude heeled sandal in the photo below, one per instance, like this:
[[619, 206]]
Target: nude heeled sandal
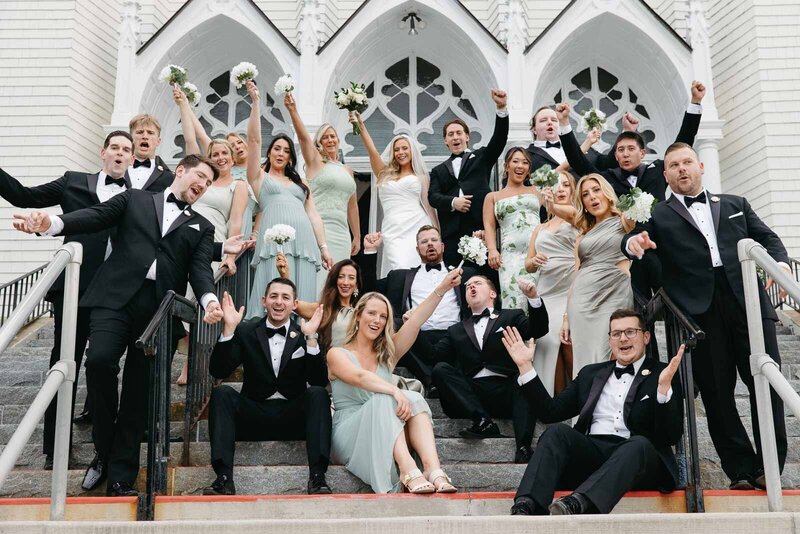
[[425, 487], [445, 484]]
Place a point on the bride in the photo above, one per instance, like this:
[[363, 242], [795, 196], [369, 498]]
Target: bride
[[401, 181]]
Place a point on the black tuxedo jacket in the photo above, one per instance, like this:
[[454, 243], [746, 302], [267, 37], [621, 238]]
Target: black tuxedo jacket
[[650, 177], [72, 192], [160, 177], [688, 275], [476, 170], [249, 347], [183, 254], [540, 158], [662, 424], [470, 358]]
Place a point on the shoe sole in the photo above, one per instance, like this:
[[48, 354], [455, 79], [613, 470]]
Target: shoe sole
[[557, 509], [742, 486]]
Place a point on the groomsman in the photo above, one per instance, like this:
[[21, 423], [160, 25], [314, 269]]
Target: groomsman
[[407, 288], [697, 233], [459, 185], [147, 171], [630, 414], [71, 192], [482, 383], [161, 245], [283, 392]]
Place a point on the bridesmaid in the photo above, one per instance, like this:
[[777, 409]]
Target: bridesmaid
[[551, 254], [332, 187], [516, 209], [602, 283], [239, 172]]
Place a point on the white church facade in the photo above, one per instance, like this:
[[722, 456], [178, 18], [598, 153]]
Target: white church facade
[[71, 71]]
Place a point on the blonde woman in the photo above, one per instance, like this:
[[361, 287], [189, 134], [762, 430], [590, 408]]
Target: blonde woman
[[401, 186], [376, 424]]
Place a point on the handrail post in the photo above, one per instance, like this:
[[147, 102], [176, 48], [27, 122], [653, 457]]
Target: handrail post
[[763, 403], [63, 427]]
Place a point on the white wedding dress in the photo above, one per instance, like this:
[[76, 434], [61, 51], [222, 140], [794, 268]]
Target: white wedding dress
[[402, 216]]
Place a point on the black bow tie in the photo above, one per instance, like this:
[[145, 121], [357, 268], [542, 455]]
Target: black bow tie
[[619, 371], [478, 316], [180, 203], [143, 163], [437, 266], [457, 156], [699, 198], [115, 181], [281, 330], [548, 144]]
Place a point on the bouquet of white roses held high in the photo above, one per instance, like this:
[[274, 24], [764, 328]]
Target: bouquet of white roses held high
[[637, 205], [472, 249], [242, 72], [545, 176], [172, 74], [280, 234], [191, 92], [285, 84], [594, 118], [353, 98]]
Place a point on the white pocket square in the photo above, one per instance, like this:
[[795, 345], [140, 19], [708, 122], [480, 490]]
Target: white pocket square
[[644, 398], [736, 215], [195, 227], [299, 353], [471, 156], [498, 330]]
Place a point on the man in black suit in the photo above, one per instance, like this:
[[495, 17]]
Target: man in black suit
[[71, 192], [630, 414], [697, 233], [407, 288], [283, 392], [481, 384], [147, 171], [459, 185], [160, 245]]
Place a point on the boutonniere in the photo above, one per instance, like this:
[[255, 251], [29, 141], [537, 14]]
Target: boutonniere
[[714, 199], [645, 372], [292, 334], [160, 168], [187, 212], [493, 316], [450, 267]]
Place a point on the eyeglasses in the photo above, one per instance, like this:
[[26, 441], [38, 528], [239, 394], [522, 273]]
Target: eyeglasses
[[630, 333]]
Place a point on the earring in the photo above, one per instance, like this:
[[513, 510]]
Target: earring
[[355, 293]]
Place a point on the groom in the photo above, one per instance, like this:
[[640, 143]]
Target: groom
[[459, 185]]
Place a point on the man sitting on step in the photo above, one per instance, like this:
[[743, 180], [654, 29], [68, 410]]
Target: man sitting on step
[[630, 414], [283, 393]]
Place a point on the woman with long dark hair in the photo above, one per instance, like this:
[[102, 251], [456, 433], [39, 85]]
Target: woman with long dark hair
[[284, 199]]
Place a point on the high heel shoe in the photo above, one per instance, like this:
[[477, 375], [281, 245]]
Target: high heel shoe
[[420, 487], [441, 482]]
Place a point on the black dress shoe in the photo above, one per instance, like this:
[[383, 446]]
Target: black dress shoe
[[83, 419], [121, 489], [523, 455], [569, 505], [485, 428], [760, 480], [432, 392], [741, 483], [523, 506], [318, 486], [95, 474], [223, 485], [48, 462]]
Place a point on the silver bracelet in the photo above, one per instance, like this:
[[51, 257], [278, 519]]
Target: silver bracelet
[[323, 246], [315, 335]]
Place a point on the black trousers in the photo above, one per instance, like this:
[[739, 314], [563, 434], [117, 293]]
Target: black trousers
[[602, 468], [422, 356], [81, 337], [715, 361], [473, 398], [119, 421], [233, 417]]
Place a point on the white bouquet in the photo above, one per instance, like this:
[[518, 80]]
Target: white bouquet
[[637, 205], [285, 84], [191, 92], [242, 72], [594, 118], [353, 98], [280, 234], [545, 176], [172, 74], [472, 249]]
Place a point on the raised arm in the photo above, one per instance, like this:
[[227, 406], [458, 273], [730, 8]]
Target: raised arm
[[187, 121], [375, 160], [691, 119], [311, 155], [40, 196], [494, 149], [238, 205], [575, 156], [254, 173]]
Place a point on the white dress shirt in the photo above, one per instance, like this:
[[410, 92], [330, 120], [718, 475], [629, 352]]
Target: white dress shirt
[[447, 312], [104, 192], [701, 213], [480, 330], [140, 175], [557, 153]]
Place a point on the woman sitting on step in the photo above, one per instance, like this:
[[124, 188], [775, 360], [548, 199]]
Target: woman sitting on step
[[376, 423]]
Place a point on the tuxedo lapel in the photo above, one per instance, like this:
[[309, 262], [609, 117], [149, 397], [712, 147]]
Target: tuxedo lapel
[[490, 326], [128, 182], [292, 340], [543, 154], [158, 202], [409, 280], [469, 326], [263, 340], [155, 175], [617, 174], [637, 381], [681, 210], [91, 183], [181, 219], [598, 383], [449, 164], [714, 210]]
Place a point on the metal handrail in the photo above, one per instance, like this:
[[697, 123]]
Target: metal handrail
[[12, 292], [682, 329], [774, 293], [766, 372], [59, 379]]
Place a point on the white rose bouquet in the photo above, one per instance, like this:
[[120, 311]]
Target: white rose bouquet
[[172, 74], [242, 72], [191, 92], [472, 249], [285, 84], [353, 98], [594, 118], [637, 205], [545, 176], [279, 234]]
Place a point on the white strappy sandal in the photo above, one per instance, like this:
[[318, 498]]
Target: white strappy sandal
[[441, 482], [420, 488]]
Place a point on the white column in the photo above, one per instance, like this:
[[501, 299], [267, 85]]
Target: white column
[[308, 34], [124, 107], [514, 31]]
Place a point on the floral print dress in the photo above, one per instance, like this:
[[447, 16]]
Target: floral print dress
[[517, 216]]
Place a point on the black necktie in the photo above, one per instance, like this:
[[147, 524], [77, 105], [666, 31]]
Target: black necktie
[[619, 371], [699, 198], [478, 316], [180, 203], [115, 181], [548, 144], [281, 330], [142, 163], [437, 267]]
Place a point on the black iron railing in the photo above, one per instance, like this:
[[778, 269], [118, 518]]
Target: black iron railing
[[681, 329], [11, 293], [775, 298]]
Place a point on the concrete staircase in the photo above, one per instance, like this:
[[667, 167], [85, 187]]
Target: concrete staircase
[[278, 468]]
